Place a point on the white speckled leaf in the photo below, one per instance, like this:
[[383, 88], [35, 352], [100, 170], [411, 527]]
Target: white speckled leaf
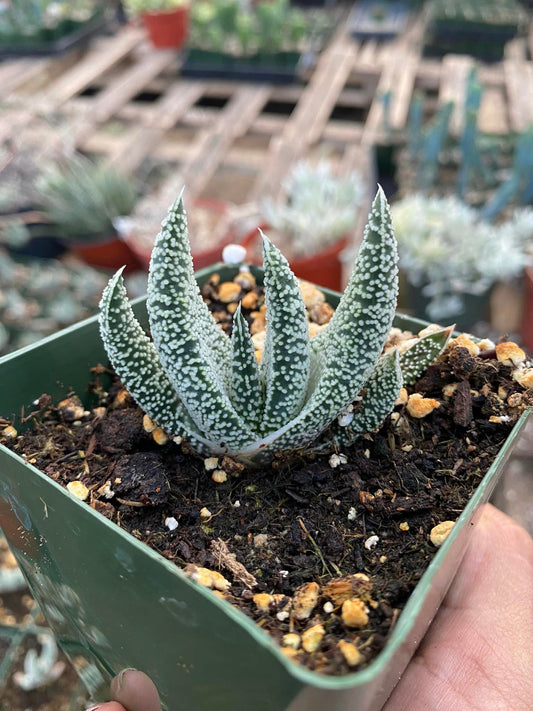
[[193, 350], [246, 393], [416, 359], [285, 362], [380, 393], [135, 360], [351, 344]]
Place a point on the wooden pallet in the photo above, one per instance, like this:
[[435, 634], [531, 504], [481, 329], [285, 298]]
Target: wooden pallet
[[125, 102]]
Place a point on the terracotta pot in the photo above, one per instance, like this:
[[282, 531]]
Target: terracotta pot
[[323, 268], [527, 318], [167, 29], [201, 259], [110, 253]]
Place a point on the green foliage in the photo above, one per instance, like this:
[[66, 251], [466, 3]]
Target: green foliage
[[136, 7], [29, 17], [265, 26], [476, 12], [197, 383], [83, 198]]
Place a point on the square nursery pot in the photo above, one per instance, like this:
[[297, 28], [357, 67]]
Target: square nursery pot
[[115, 603]]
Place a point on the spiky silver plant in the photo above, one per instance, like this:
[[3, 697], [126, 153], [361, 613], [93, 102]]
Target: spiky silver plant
[[197, 383]]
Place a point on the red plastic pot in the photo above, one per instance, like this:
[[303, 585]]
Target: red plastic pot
[[323, 268], [111, 253], [201, 259], [527, 318], [167, 29]]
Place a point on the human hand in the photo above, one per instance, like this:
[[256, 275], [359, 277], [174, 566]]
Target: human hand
[[131, 690], [477, 654]]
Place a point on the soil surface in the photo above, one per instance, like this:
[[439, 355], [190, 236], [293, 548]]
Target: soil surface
[[325, 549]]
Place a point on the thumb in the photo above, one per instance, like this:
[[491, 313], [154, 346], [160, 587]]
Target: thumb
[[135, 691]]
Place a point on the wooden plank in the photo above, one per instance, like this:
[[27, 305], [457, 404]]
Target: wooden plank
[[455, 71], [167, 112], [123, 88], [310, 116], [519, 86], [100, 58], [235, 120], [208, 150], [403, 91], [492, 117], [360, 158], [129, 83]]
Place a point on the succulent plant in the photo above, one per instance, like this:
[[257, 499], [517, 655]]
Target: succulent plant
[[197, 383], [449, 251], [82, 198]]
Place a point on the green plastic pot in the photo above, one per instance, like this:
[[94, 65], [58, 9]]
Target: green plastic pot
[[115, 603]]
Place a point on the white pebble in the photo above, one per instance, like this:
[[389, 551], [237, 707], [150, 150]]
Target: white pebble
[[282, 616], [233, 254], [211, 463], [345, 418], [171, 523], [371, 542], [352, 514], [328, 607]]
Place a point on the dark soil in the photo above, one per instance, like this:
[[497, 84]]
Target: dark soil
[[296, 521]]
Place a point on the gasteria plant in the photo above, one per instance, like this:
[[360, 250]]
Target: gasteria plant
[[197, 383]]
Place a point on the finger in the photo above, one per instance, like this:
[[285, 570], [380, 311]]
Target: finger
[[136, 691], [478, 652]]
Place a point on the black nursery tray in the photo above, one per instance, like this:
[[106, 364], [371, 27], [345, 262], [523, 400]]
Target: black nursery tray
[[283, 68], [77, 38], [366, 23]]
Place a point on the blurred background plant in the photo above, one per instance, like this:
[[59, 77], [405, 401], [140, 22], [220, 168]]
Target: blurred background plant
[[39, 298], [316, 207], [266, 26], [136, 7], [31, 17], [82, 199], [449, 252]]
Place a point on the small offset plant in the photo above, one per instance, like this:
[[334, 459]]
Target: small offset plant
[[198, 384], [317, 207], [448, 250], [82, 198]]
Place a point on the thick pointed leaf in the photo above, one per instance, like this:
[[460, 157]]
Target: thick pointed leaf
[[285, 362], [416, 359], [353, 340], [193, 350], [135, 360], [246, 393], [377, 401]]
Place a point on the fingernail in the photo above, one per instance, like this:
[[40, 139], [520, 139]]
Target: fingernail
[[93, 708], [120, 678]]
